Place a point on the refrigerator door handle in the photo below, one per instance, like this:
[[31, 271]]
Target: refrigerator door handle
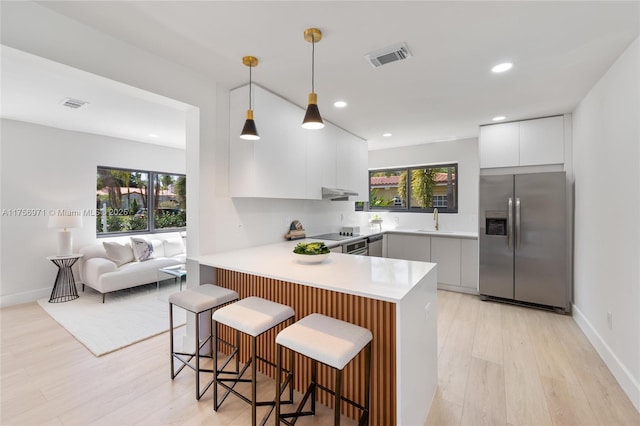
[[518, 223], [510, 224]]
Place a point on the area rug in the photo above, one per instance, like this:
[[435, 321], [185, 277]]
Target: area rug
[[127, 316]]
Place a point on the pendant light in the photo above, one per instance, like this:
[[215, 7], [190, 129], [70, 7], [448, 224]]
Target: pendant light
[[249, 131], [312, 119]]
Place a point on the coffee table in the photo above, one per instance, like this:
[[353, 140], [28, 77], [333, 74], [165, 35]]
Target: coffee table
[[179, 272]]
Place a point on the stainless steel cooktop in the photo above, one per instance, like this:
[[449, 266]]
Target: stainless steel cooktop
[[334, 236]]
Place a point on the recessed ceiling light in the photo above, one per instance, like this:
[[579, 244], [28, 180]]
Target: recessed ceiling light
[[153, 135], [339, 104], [386, 135], [499, 118], [506, 66]]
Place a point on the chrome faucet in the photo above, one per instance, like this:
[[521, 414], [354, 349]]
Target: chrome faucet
[[435, 217]]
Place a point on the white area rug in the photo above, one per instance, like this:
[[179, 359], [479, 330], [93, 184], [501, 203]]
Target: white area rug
[[126, 317]]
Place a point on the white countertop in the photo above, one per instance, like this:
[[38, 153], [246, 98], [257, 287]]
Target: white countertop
[[372, 277]]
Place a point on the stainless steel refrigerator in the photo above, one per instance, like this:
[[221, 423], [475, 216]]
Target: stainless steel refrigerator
[[524, 239]]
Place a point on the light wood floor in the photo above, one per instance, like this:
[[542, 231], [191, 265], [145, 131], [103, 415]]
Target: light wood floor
[[498, 365]]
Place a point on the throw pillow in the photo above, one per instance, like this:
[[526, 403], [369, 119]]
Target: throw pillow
[[142, 249], [118, 253], [172, 246]]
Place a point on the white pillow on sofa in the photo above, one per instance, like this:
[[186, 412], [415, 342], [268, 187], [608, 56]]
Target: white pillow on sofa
[[173, 246], [142, 249], [118, 253]]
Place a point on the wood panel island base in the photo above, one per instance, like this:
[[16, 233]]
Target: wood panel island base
[[395, 299]]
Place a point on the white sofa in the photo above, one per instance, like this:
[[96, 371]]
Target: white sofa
[[112, 265]]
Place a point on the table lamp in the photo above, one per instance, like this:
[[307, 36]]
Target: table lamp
[[64, 236]]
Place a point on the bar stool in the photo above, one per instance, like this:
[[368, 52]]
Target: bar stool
[[334, 343], [252, 316], [206, 297]]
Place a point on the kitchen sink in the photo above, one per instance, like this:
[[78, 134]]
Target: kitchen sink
[[434, 231]]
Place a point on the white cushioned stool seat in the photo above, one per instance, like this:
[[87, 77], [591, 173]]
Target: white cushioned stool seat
[[325, 339], [253, 315], [203, 298]]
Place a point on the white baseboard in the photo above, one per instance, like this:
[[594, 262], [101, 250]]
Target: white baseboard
[[627, 382], [25, 297]]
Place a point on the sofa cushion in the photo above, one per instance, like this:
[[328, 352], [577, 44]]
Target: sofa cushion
[[118, 253], [173, 246], [142, 249]]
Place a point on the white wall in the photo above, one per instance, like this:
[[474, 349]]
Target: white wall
[[606, 154], [213, 218], [44, 168], [465, 153]]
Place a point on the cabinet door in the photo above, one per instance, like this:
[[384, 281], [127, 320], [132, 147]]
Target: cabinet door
[[542, 141], [352, 165], [275, 165], [446, 253], [469, 264], [321, 160], [499, 145], [408, 247]]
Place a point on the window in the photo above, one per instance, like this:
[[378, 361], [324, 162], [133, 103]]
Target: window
[[415, 189], [124, 199]]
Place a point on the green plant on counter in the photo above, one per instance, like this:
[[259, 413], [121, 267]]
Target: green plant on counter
[[311, 248]]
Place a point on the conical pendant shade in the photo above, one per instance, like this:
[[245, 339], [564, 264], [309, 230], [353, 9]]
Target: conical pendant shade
[[249, 131], [312, 118]]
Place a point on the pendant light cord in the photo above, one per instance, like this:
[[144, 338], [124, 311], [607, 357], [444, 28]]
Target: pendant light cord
[[313, 65], [250, 86]]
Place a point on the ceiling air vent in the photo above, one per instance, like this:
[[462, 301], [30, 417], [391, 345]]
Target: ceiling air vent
[[73, 103], [395, 52]]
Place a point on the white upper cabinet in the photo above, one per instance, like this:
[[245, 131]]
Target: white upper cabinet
[[542, 141], [499, 145], [353, 165], [523, 143], [289, 161]]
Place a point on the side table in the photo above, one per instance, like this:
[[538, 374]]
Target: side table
[[179, 272], [64, 288]]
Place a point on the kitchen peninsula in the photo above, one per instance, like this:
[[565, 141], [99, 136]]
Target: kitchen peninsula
[[395, 299]]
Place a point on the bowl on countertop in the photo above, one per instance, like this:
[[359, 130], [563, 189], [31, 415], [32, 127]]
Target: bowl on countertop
[[311, 259]]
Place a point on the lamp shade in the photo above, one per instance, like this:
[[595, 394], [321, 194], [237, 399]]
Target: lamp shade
[[312, 118], [249, 131], [65, 221]]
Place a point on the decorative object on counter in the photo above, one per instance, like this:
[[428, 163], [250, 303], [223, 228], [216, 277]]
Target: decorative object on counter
[[312, 118], [296, 231], [312, 253], [376, 222], [249, 131]]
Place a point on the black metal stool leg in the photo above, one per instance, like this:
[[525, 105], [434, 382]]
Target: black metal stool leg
[[171, 339], [278, 381], [254, 379], [364, 419], [338, 398], [197, 341], [214, 330]]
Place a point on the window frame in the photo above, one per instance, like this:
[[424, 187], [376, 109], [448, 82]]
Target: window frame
[[408, 208], [151, 228]]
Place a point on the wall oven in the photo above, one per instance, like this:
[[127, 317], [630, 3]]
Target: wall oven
[[359, 247]]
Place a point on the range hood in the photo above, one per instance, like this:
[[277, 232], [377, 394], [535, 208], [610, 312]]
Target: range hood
[[337, 194]]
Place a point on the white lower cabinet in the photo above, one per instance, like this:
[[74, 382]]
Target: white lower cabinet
[[457, 258], [409, 247], [446, 253], [469, 264]]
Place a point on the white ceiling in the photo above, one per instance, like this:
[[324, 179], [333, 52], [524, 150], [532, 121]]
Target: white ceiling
[[559, 50]]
